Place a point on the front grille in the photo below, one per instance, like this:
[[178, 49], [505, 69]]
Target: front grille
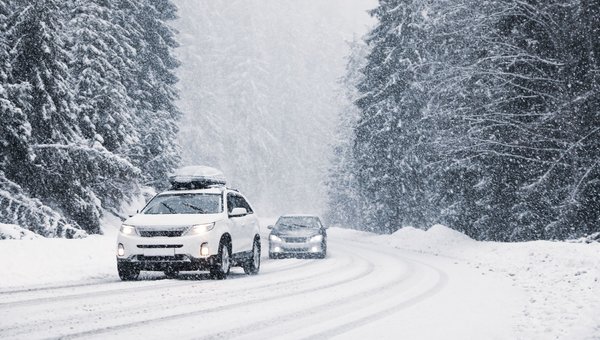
[[296, 250], [295, 239], [161, 233], [143, 258], [160, 246]]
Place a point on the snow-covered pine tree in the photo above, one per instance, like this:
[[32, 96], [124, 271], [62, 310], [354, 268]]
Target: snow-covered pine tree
[[15, 205], [14, 134], [560, 200], [39, 61], [518, 137], [100, 53], [582, 197], [66, 169], [70, 118], [15, 129], [39, 58], [344, 202], [390, 144], [526, 142], [154, 90], [462, 89]]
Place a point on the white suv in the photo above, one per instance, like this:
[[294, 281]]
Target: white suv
[[199, 224]]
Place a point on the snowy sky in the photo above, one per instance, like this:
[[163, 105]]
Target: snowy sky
[[260, 92]]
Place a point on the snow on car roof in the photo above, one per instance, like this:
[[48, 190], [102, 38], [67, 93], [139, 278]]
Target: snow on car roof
[[214, 190], [196, 176]]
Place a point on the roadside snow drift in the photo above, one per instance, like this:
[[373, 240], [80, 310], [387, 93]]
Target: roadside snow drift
[[562, 279]]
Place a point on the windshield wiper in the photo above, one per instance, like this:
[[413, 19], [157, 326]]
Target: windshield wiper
[[194, 207], [292, 225], [168, 207]]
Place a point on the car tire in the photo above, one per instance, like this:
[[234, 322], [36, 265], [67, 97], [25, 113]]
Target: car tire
[[252, 265], [323, 253], [221, 270], [127, 271]]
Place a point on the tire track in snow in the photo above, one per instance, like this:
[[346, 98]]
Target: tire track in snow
[[100, 282], [356, 323], [358, 298], [365, 272], [166, 283], [186, 300]]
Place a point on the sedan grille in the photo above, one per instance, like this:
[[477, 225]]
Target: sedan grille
[[142, 258], [295, 239], [159, 246], [162, 233]]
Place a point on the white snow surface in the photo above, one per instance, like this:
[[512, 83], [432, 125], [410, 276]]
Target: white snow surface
[[414, 284]]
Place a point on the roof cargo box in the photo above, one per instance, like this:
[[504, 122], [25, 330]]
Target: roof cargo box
[[197, 177]]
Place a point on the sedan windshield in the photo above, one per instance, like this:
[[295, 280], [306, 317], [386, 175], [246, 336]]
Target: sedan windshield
[[184, 204], [298, 222]]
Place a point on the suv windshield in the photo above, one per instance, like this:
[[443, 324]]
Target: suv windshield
[[298, 222], [185, 204]]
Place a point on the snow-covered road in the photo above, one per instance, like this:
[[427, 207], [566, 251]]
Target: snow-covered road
[[361, 290]]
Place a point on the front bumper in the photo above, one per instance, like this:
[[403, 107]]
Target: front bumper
[[161, 253], [162, 263], [282, 248]]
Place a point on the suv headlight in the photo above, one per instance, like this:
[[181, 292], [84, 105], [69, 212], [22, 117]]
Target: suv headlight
[[275, 238], [200, 228], [316, 238], [127, 229]]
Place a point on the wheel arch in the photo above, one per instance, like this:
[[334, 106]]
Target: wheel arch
[[226, 238]]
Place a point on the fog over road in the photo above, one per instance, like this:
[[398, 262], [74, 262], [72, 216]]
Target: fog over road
[[359, 291]]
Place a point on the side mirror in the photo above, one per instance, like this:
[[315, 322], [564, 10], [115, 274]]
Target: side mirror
[[237, 212], [270, 227], [136, 212]]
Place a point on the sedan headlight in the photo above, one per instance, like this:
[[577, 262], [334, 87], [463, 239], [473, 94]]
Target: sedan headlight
[[275, 238], [200, 228], [127, 229], [316, 238]]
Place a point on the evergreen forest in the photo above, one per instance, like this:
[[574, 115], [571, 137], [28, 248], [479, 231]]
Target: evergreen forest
[[480, 115], [87, 109]]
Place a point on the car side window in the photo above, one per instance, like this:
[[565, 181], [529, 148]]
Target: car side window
[[231, 202], [244, 204]]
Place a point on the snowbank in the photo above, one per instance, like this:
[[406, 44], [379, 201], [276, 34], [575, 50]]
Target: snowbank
[[435, 240], [44, 261], [561, 278], [33, 261]]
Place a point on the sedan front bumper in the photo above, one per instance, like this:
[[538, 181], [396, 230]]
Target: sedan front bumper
[[282, 248]]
